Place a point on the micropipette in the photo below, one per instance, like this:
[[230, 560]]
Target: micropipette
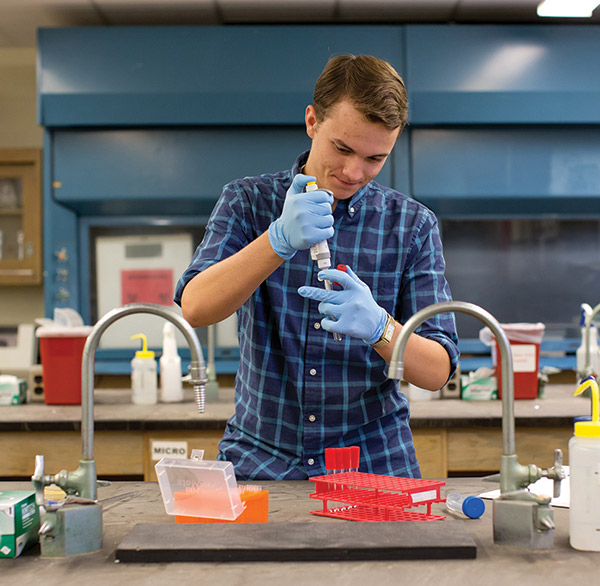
[[319, 252]]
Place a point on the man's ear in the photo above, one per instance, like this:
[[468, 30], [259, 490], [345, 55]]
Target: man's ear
[[310, 117]]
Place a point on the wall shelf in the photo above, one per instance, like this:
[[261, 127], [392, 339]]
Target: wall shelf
[[20, 217]]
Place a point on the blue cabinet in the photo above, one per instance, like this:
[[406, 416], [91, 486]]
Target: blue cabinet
[[163, 170], [507, 171], [503, 74], [152, 121], [206, 75]]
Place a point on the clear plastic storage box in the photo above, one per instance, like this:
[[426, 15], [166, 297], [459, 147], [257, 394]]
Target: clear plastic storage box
[[199, 488]]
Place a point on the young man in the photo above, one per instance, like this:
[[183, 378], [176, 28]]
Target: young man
[[298, 391]]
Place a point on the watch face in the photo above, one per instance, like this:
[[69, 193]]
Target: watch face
[[389, 329], [388, 332]]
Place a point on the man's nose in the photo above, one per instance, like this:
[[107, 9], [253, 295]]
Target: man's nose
[[353, 169]]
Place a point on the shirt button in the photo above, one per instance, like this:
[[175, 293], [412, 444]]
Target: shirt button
[[317, 325], [312, 418], [313, 371], [310, 461], [352, 210]]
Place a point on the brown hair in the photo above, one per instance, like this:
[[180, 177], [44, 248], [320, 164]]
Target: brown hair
[[372, 84]]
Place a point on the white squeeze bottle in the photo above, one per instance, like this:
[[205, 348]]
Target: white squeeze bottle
[[594, 351], [584, 467], [143, 375], [171, 389]]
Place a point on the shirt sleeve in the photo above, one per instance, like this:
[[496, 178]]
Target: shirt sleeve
[[424, 284], [224, 236]]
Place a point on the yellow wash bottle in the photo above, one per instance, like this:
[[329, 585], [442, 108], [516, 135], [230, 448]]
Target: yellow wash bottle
[[584, 465], [143, 375]]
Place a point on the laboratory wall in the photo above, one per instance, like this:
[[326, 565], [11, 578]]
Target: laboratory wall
[[19, 129], [503, 124]]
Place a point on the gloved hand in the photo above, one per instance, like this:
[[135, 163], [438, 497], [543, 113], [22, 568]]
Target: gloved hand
[[305, 220], [352, 311]]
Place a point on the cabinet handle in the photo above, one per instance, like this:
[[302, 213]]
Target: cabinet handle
[[16, 272], [20, 245]]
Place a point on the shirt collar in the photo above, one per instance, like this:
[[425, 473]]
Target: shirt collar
[[299, 163]]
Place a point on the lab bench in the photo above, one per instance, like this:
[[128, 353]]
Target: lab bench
[[289, 502], [452, 437]]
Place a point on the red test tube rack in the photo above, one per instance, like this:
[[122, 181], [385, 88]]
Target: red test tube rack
[[372, 497]]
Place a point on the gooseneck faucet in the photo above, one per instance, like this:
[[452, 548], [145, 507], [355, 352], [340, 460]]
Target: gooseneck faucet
[[82, 485], [197, 368], [534, 527]]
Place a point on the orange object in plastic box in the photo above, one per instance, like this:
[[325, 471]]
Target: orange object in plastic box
[[256, 508]]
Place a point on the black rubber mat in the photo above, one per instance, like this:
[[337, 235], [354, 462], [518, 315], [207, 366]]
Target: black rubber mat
[[297, 542]]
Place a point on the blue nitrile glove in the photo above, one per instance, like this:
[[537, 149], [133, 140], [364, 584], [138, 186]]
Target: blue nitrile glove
[[305, 220], [352, 311]]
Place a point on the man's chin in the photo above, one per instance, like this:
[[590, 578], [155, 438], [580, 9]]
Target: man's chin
[[346, 193]]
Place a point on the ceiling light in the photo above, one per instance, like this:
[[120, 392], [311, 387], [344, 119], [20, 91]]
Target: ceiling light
[[567, 8]]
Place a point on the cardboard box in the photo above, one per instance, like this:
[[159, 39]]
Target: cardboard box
[[479, 388], [13, 390], [19, 522]]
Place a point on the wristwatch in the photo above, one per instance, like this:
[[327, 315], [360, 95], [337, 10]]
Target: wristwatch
[[388, 332]]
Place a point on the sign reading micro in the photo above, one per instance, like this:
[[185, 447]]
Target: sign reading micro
[[169, 449]]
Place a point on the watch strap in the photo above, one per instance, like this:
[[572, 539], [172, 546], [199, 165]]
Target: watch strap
[[388, 332]]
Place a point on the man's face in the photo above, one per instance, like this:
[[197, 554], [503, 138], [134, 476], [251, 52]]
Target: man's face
[[347, 150]]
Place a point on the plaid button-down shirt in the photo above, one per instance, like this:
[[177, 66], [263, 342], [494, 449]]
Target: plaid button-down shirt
[[297, 391]]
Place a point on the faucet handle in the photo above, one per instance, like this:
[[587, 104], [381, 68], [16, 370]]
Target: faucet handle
[[557, 472], [38, 479], [558, 460]]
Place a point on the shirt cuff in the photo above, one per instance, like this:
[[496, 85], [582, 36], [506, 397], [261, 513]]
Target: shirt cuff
[[379, 329]]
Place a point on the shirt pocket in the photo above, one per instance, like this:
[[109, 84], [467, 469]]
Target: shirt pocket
[[384, 287]]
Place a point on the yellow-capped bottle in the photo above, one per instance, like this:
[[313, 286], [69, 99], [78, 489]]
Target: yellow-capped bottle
[[584, 468], [144, 387]]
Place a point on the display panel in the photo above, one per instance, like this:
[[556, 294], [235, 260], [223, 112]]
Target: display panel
[[524, 270], [138, 264]]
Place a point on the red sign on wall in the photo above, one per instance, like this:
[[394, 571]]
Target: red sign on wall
[[147, 286]]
